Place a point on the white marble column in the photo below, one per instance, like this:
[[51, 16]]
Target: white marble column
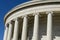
[[16, 28], [24, 29], [36, 27], [5, 33], [49, 25], [10, 31]]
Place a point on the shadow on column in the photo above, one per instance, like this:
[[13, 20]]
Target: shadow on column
[[43, 27], [56, 27], [30, 27]]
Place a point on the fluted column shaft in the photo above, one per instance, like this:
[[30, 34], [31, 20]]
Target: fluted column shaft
[[49, 26], [24, 30], [5, 33], [10, 31], [16, 28], [36, 25]]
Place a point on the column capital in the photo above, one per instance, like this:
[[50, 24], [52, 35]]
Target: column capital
[[16, 19], [24, 16], [6, 28], [49, 12], [6, 25], [11, 22], [35, 13]]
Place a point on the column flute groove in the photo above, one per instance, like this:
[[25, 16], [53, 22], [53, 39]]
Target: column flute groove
[[24, 29]]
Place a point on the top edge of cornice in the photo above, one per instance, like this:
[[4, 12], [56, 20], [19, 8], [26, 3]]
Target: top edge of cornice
[[27, 4]]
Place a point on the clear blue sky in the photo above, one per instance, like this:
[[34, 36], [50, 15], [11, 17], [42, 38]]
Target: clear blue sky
[[5, 6]]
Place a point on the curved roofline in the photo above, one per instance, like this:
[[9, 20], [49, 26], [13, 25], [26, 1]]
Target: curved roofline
[[27, 5]]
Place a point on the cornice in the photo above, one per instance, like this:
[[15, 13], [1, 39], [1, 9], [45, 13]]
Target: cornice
[[27, 5]]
